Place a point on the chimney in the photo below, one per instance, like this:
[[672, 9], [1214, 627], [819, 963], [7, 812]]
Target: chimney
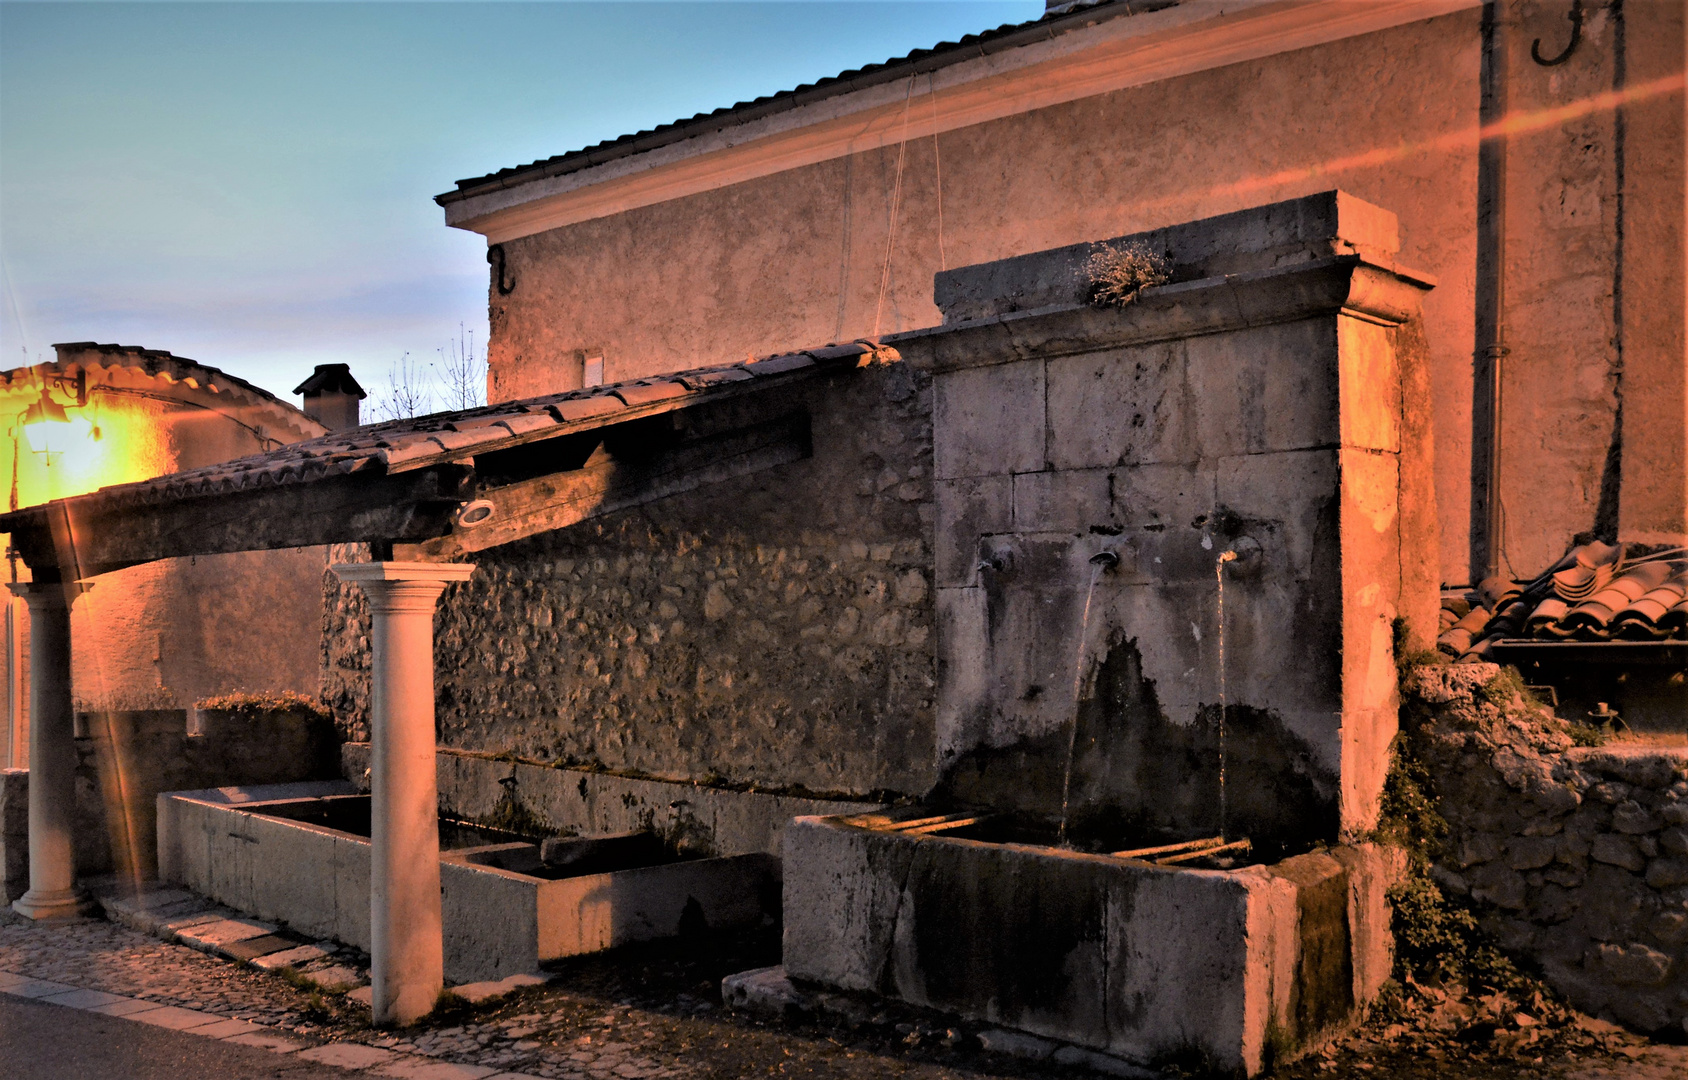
[[332, 396]]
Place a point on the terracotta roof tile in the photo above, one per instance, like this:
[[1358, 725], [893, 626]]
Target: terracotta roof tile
[[645, 392], [586, 408], [1594, 593], [779, 365], [399, 445]]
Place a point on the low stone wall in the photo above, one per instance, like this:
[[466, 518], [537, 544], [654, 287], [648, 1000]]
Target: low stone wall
[[1576, 855], [14, 834]]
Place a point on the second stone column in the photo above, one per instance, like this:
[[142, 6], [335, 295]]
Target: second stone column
[[406, 952]]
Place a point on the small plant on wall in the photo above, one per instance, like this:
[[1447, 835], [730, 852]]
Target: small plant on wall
[[1116, 274], [247, 705]]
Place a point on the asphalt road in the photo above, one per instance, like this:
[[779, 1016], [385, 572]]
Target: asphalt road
[[50, 1042]]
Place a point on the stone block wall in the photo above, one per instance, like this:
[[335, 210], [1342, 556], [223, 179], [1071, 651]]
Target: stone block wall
[[1248, 453], [775, 630], [1576, 855]]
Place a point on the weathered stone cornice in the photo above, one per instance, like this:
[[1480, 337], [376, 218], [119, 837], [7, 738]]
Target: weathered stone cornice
[[1363, 288]]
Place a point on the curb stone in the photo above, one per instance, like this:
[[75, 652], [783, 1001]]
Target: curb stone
[[345, 1055]]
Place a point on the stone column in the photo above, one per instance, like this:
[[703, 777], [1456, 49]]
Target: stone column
[[406, 952], [52, 755]]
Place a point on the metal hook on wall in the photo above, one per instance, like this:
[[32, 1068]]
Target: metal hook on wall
[[1576, 17], [495, 258]]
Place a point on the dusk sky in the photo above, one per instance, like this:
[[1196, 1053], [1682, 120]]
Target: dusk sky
[[251, 184]]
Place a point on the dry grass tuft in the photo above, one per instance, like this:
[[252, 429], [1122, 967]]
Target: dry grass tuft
[[1118, 274]]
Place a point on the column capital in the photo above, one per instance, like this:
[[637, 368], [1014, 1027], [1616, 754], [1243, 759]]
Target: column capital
[[49, 593], [397, 587], [366, 572]]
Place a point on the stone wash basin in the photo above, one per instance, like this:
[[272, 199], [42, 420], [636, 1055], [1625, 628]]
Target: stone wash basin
[[299, 854], [1230, 969]]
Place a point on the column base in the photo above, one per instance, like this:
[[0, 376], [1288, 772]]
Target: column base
[[58, 905]]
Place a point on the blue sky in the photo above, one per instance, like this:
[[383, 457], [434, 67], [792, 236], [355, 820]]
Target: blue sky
[[251, 184]]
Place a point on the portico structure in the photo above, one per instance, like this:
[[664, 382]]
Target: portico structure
[[423, 495]]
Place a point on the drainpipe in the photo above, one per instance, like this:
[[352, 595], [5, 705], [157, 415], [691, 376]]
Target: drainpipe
[[1491, 280]]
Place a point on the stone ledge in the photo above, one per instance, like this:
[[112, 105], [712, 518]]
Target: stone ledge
[[1348, 284]]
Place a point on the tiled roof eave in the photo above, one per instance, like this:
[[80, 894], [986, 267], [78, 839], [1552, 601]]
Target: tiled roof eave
[[442, 438], [920, 61]]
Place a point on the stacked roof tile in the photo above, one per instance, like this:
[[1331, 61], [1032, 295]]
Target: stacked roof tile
[[1597, 592], [402, 445]]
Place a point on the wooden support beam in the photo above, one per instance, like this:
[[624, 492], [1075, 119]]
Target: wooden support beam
[[77, 538], [435, 514], [606, 484]]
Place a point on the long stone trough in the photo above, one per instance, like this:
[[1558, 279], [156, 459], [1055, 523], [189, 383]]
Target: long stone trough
[[1223, 969], [292, 853]]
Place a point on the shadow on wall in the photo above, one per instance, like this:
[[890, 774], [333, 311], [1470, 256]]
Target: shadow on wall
[[125, 759], [1137, 776]]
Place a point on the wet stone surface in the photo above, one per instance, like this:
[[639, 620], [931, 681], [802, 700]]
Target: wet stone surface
[[654, 1011]]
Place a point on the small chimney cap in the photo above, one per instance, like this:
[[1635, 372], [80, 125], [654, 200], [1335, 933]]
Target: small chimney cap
[[331, 379]]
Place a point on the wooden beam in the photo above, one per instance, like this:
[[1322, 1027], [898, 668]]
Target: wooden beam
[[607, 484], [337, 510]]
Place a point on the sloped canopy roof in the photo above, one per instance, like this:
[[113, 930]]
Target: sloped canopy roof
[[448, 483]]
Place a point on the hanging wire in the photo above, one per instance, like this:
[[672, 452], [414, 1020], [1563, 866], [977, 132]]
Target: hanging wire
[[937, 168], [896, 198]]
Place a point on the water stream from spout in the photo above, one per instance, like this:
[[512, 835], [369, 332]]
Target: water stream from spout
[[1219, 579], [1099, 562]]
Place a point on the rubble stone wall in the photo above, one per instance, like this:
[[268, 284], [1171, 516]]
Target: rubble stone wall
[[1576, 855], [775, 630]]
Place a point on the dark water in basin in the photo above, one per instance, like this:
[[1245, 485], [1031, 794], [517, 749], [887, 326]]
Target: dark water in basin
[[351, 813]]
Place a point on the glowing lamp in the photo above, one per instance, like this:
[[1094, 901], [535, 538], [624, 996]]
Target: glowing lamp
[[50, 430]]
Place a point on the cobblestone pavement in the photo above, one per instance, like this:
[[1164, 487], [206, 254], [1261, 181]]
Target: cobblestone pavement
[[654, 1011]]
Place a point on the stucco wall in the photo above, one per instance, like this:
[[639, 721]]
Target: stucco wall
[[796, 258], [1392, 117], [167, 634], [775, 630]]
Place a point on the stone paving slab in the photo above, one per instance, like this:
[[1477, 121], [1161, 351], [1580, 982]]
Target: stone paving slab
[[268, 1040], [348, 1055], [223, 1029], [260, 946], [127, 1007], [174, 1018], [420, 1069], [37, 988], [337, 977], [215, 935], [295, 957], [85, 999], [184, 922]]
